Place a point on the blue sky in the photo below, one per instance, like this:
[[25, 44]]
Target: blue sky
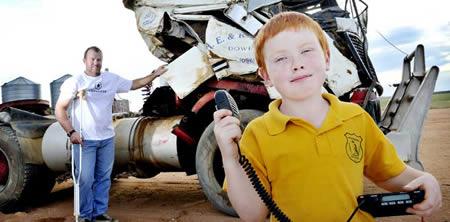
[[44, 39], [407, 24]]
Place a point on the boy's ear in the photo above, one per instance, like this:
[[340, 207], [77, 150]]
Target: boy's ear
[[327, 60], [263, 73]]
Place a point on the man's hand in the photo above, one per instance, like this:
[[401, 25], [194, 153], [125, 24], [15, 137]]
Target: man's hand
[[433, 195], [141, 82], [75, 138], [159, 71], [81, 94]]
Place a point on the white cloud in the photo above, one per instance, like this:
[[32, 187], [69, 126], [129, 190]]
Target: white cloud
[[445, 68]]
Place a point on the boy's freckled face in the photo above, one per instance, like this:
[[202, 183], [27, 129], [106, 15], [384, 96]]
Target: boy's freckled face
[[295, 63]]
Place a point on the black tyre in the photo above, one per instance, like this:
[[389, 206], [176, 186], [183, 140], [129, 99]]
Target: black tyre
[[13, 177], [208, 163], [19, 182]]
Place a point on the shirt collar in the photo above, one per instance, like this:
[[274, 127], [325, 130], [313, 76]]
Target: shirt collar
[[338, 112]]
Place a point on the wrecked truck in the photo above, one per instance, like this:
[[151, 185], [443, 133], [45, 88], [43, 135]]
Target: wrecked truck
[[208, 46]]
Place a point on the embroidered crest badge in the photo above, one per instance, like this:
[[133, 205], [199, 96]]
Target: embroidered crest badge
[[353, 146]]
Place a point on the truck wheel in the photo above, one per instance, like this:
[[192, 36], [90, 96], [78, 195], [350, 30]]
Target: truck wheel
[[20, 182], [208, 163], [12, 176]]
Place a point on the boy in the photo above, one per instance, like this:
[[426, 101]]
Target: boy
[[310, 150]]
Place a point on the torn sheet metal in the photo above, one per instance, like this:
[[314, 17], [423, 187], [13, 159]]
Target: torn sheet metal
[[343, 75], [188, 71], [156, 48], [256, 4], [240, 16], [181, 3], [149, 22], [232, 44], [346, 24], [220, 67], [192, 17], [199, 9]]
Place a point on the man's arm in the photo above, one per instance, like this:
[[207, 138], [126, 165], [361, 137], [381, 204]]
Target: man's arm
[[141, 82], [61, 116], [411, 179]]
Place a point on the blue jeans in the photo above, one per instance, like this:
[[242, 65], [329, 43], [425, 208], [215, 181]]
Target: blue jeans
[[95, 180]]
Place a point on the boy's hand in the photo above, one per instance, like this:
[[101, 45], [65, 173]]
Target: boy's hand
[[228, 133], [433, 196]]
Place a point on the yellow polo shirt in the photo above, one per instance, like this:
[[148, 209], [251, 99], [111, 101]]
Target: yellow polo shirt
[[316, 174]]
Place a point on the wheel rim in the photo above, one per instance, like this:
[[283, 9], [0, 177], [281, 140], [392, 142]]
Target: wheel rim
[[4, 170]]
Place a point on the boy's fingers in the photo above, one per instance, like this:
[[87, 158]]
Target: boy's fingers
[[231, 120], [220, 114], [426, 207], [231, 131], [424, 213]]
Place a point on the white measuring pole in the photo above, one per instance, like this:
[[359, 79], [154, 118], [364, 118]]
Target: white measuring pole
[[75, 178]]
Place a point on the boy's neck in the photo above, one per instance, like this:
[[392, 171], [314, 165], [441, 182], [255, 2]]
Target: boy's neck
[[312, 109]]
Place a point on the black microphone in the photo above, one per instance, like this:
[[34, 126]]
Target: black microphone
[[225, 101]]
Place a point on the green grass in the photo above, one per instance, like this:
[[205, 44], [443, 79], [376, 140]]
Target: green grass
[[384, 102], [439, 100]]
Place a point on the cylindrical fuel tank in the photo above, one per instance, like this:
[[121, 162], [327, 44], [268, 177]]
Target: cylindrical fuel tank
[[143, 139]]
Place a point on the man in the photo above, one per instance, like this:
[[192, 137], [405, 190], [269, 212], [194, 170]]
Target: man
[[93, 114]]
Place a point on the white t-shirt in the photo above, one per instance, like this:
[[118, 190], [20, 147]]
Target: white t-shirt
[[96, 109]]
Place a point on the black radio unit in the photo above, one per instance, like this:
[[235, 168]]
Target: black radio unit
[[390, 204]]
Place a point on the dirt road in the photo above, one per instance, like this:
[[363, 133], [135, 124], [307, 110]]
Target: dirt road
[[176, 197]]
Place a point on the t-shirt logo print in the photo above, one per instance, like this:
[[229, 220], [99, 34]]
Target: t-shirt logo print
[[353, 146], [98, 86]]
